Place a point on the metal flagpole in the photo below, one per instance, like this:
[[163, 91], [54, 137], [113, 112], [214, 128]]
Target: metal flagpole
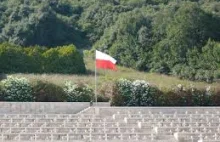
[[96, 100]]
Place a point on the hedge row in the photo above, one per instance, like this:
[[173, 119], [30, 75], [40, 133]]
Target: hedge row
[[65, 59], [21, 90], [124, 93], [140, 93]]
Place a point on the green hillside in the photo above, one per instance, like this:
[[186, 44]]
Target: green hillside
[[106, 78], [174, 37]]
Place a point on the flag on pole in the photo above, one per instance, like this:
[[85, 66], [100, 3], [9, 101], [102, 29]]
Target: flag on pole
[[104, 61]]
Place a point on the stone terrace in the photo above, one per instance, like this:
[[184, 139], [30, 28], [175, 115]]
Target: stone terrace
[[115, 124]]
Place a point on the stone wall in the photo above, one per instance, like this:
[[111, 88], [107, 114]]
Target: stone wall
[[44, 107]]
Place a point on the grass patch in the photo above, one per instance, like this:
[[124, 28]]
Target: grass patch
[[108, 76]]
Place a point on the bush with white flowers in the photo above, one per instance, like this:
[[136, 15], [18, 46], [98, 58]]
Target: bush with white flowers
[[136, 93], [17, 89], [78, 92], [141, 94]]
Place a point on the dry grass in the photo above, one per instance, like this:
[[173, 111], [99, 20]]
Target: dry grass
[[106, 77]]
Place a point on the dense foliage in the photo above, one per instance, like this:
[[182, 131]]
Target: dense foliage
[[48, 92], [78, 92], [140, 93], [41, 22], [2, 93], [179, 38], [166, 36], [124, 93], [136, 93], [65, 59], [17, 89], [22, 90]]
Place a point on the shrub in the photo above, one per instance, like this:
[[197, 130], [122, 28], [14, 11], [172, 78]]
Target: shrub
[[184, 72], [1, 92], [187, 73], [117, 99], [71, 60], [209, 76], [180, 96], [140, 94], [12, 59], [104, 92], [201, 97], [102, 98], [136, 93], [200, 75], [64, 59], [48, 92], [176, 70], [35, 59], [157, 96], [204, 75], [170, 98], [161, 67], [51, 61], [215, 97], [217, 74], [122, 94], [17, 89], [78, 92]]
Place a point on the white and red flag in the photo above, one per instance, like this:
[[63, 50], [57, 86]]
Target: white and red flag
[[104, 61]]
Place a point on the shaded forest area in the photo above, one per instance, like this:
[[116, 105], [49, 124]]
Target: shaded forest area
[[175, 37]]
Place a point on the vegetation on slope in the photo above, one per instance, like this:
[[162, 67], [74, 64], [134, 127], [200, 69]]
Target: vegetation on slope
[[106, 78], [63, 59], [165, 90], [163, 36]]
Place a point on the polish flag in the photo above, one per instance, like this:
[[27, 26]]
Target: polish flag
[[104, 61]]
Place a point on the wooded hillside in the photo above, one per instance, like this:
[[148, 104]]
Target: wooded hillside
[[166, 36]]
